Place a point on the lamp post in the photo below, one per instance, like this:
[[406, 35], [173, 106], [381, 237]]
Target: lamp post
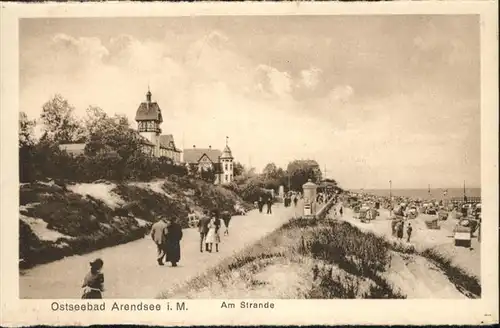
[[390, 189], [390, 197]]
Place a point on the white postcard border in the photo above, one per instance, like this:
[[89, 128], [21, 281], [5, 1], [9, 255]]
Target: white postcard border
[[16, 312]]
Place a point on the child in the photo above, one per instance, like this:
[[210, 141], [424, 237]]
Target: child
[[93, 284], [213, 236]]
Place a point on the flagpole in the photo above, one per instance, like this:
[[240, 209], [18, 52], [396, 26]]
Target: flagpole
[[465, 197]]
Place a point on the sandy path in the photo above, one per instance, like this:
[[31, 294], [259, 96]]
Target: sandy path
[[131, 270], [423, 238], [415, 275]]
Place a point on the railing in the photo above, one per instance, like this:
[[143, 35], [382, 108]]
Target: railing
[[324, 210]]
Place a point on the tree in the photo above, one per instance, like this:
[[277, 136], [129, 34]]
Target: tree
[[59, 124], [114, 133], [238, 169], [26, 130], [300, 171], [95, 116], [208, 175], [270, 170]]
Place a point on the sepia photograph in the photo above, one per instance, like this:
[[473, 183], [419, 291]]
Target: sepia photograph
[[249, 159]]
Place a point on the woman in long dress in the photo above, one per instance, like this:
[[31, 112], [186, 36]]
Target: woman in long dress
[[213, 236]]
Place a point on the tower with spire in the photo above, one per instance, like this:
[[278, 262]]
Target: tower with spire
[[149, 119], [226, 162]]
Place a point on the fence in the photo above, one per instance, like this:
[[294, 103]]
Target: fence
[[324, 210]]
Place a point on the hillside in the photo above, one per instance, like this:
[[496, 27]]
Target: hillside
[[59, 220], [325, 259]]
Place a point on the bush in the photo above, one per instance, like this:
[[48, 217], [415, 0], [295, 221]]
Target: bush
[[45, 161]]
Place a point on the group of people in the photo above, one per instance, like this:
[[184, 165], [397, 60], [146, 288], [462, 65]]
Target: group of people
[[167, 234], [290, 198], [398, 229], [338, 210], [209, 227], [261, 202]]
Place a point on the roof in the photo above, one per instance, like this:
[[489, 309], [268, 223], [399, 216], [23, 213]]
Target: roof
[[148, 111], [167, 141], [193, 155], [73, 148], [227, 152], [143, 140]]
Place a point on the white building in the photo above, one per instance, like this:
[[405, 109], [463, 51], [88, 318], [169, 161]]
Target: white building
[[204, 159]]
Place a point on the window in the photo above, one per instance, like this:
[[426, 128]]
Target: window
[[231, 166], [227, 178], [226, 167]]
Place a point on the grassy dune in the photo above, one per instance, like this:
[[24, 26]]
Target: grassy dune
[[319, 259], [58, 220]]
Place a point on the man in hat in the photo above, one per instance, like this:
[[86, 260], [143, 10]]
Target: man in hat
[[172, 242], [158, 234], [203, 229]]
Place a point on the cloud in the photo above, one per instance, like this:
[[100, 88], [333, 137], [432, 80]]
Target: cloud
[[275, 108], [341, 94], [310, 77], [272, 81]]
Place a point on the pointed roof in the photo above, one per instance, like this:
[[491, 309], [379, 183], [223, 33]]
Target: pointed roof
[[167, 141], [194, 155], [148, 110], [227, 153]]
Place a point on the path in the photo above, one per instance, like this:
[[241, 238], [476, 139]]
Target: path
[[131, 270]]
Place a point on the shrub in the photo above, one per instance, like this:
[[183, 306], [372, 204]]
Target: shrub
[[458, 276]]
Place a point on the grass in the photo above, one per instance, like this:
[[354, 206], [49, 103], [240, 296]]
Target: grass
[[464, 282], [339, 261], [356, 261]]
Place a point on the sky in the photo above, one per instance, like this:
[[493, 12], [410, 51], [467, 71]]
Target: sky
[[371, 98]]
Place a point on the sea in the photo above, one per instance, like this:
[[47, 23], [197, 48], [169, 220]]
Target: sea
[[423, 193]]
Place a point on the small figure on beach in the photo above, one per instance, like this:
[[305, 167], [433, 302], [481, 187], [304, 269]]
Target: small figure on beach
[[409, 229], [172, 244], [341, 211], [213, 236], [158, 234], [400, 229], [203, 230], [93, 283]]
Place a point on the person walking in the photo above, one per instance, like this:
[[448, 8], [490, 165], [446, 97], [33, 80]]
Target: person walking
[[409, 229], [400, 229], [173, 238], [226, 217], [158, 234], [203, 230], [295, 200], [260, 204], [213, 236], [269, 205], [93, 283]]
